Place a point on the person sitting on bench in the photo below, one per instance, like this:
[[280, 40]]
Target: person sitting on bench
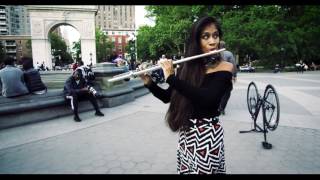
[[76, 89]]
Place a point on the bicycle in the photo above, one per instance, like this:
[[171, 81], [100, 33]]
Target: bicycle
[[270, 110]]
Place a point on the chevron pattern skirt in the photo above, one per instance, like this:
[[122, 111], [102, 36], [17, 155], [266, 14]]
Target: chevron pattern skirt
[[201, 149]]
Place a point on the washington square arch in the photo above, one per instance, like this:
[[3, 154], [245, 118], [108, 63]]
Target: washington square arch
[[45, 18]]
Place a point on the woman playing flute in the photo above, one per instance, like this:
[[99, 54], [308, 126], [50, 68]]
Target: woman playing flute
[[194, 94]]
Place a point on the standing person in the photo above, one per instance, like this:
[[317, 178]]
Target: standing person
[[74, 66], [42, 66], [227, 56], [194, 94], [37, 66], [313, 66], [132, 64], [300, 66], [32, 77], [12, 80], [138, 63], [76, 89]]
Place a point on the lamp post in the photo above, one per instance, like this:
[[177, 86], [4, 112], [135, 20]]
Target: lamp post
[[90, 59], [133, 49], [282, 54], [135, 44], [52, 55]]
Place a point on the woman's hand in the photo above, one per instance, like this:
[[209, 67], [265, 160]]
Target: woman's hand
[[146, 78], [167, 67]]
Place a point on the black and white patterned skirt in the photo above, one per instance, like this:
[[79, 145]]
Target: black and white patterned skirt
[[201, 148]]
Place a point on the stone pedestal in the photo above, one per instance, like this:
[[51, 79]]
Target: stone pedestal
[[118, 92], [105, 71]]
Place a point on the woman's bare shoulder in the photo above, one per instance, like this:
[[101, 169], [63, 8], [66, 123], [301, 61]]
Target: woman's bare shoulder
[[225, 66]]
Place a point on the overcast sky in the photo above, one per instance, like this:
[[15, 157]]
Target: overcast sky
[[139, 18]]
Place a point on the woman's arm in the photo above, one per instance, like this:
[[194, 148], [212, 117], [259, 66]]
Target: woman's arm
[[203, 96], [162, 94]]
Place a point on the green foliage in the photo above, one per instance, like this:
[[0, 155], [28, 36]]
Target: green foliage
[[76, 47], [145, 43], [131, 49], [270, 34], [29, 47], [59, 48], [29, 44], [103, 46], [168, 36]]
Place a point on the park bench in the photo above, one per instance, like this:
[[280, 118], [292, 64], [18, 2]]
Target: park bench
[[35, 108]]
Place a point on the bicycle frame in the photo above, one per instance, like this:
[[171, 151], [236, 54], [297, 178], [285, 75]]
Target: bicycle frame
[[257, 104], [261, 101], [254, 116]]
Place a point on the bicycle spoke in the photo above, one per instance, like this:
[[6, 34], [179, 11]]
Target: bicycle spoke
[[270, 108], [252, 97]]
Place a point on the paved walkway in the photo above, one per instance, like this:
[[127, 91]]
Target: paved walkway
[[133, 138]]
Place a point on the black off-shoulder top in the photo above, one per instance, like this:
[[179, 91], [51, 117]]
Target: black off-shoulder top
[[205, 99]]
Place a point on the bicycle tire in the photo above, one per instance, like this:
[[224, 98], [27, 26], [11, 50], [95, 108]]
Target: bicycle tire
[[252, 97], [271, 119]]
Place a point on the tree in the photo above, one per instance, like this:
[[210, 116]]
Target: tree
[[2, 53], [144, 38], [29, 47], [274, 34], [76, 46], [271, 34], [103, 45], [131, 49], [59, 48], [303, 29], [168, 36]]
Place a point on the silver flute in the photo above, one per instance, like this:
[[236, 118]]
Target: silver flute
[[139, 72]]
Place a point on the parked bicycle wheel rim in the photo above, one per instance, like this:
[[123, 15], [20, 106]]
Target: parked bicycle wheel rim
[[252, 97], [271, 108]]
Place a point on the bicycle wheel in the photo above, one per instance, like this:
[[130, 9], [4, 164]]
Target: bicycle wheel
[[252, 97], [271, 108]]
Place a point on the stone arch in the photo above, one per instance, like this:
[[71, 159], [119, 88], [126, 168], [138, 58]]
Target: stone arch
[[43, 18], [55, 25]]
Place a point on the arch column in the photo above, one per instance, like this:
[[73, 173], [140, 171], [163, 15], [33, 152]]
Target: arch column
[[88, 44], [43, 18]]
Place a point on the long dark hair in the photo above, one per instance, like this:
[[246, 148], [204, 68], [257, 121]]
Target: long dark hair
[[181, 109], [27, 63]]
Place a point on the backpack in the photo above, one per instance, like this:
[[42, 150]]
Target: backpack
[[87, 73]]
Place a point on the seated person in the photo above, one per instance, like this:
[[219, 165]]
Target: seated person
[[124, 64], [32, 77], [89, 77], [12, 80], [76, 89], [86, 72]]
